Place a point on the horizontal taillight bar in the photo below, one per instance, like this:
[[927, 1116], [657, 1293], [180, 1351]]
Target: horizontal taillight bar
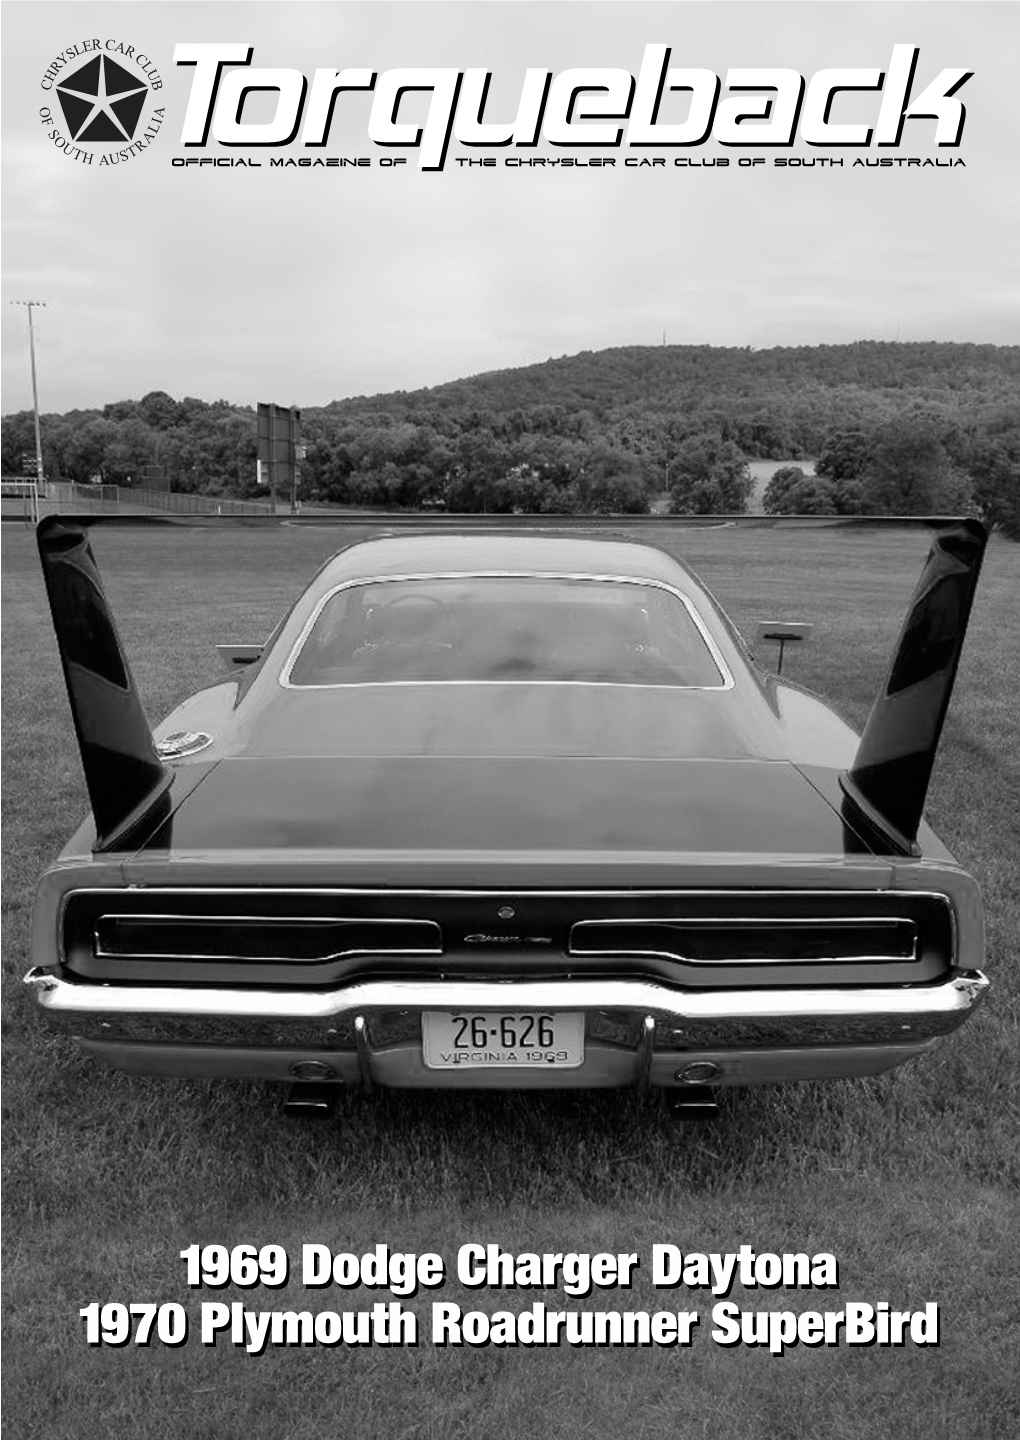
[[750, 942], [269, 939]]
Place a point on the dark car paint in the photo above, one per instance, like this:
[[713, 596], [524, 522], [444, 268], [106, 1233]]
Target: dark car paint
[[508, 804]]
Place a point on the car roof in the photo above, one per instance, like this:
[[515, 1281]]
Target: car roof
[[379, 721], [417, 554]]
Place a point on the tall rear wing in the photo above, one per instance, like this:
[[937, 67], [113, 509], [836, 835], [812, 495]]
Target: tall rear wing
[[888, 781], [124, 775]]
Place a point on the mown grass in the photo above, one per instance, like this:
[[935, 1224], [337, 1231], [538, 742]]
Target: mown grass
[[909, 1179]]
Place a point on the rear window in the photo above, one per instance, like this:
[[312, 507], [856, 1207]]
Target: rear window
[[504, 629]]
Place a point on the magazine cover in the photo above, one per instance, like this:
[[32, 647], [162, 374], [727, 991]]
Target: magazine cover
[[510, 521]]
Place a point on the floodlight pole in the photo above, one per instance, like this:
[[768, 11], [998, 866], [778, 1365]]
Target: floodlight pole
[[29, 304]]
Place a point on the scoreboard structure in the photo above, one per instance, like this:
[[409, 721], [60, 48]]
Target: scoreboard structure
[[279, 451]]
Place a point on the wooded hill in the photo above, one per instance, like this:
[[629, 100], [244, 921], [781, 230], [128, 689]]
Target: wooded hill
[[775, 403], [604, 430]]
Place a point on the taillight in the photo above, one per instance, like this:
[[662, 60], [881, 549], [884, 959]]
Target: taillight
[[259, 939], [750, 942]]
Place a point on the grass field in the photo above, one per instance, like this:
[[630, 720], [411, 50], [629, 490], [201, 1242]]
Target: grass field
[[911, 1180]]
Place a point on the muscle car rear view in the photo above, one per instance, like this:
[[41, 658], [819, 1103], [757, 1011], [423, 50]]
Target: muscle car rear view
[[507, 810]]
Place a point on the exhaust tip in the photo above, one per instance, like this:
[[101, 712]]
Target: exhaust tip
[[310, 1099], [694, 1102]]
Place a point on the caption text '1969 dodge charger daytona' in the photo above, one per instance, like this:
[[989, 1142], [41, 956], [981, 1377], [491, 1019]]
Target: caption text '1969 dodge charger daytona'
[[506, 810]]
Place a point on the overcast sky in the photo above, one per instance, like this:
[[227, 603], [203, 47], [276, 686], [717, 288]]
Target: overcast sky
[[303, 286]]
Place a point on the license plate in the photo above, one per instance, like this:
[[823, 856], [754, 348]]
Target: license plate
[[515, 1039]]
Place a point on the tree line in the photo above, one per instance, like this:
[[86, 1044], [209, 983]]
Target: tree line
[[918, 463], [891, 428]]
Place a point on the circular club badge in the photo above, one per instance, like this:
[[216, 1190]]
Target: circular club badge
[[102, 102]]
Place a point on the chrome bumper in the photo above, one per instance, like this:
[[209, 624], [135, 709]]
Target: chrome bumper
[[636, 1030]]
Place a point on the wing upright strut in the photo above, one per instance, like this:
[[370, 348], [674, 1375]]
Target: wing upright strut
[[124, 775], [888, 780]]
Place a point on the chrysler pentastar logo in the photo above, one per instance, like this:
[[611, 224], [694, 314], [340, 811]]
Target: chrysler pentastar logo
[[102, 88], [101, 101]]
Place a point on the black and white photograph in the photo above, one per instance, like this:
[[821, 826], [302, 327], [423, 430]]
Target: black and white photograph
[[510, 570]]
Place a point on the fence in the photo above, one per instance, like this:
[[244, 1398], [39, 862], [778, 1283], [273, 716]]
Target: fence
[[117, 500], [171, 503], [18, 498]]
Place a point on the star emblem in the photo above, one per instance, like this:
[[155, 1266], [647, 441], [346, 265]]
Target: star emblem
[[101, 101]]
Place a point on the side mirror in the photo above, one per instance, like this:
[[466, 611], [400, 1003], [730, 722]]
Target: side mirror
[[782, 633], [233, 655]]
